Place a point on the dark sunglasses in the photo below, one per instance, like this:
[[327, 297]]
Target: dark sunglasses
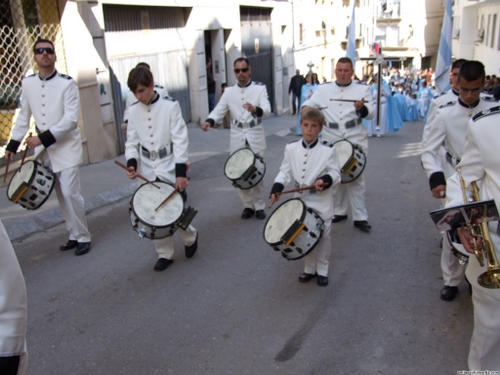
[[39, 51], [244, 70]]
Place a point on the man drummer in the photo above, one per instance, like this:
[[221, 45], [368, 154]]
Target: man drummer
[[448, 128], [310, 162], [53, 100], [157, 148], [248, 104], [344, 122]]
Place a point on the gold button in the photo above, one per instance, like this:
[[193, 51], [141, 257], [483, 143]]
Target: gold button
[[150, 127], [303, 170], [43, 96], [151, 135], [305, 162], [305, 154], [152, 143], [149, 119], [43, 105], [43, 114]]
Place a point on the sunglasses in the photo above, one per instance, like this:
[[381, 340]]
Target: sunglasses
[[39, 51], [244, 70]]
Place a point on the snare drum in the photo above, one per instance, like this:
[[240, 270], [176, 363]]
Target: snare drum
[[31, 185], [294, 229], [155, 224], [351, 158], [244, 168]]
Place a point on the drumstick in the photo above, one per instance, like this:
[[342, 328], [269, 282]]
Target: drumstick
[[138, 175], [296, 190], [25, 152], [169, 196], [349, 100], [6, 170]]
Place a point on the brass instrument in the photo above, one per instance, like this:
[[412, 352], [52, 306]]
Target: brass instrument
[[491, 278]]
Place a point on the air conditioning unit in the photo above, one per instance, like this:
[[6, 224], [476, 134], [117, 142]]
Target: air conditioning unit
[[480, 35], [456, 33]]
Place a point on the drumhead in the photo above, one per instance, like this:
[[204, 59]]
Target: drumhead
[[238, 162], [282, 219], [344, 150], [23, 174], [147, 197]]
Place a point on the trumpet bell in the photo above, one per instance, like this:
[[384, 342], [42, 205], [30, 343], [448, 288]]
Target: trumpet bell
[[490, 279]]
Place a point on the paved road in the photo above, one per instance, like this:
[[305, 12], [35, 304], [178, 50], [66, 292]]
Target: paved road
[[237, 307]]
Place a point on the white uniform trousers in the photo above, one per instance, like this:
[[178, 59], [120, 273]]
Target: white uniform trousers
[[13, 308], [71, 202], [165, 246], [254, 198], [317, 261], [353, 193], [452, 270]]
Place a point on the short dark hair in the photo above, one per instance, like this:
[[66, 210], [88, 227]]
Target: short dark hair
[[457, 63], [40, 40], [240, 59], [345, 60], [472, 71], [312, 114], [139, 76], [143, 64]]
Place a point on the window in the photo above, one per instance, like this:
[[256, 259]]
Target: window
[[488, 29], [493, 30]]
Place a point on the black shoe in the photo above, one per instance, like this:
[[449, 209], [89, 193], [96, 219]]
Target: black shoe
[[191, 249], [162, 264], [337, 218], [363, 225], [448, 293], [322, 280], [247, 213], [306, 277], [82, 248], [71, 244], [260, 214]]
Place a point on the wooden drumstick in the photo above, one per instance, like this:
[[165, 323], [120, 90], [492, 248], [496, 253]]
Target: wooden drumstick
[[349, 100], [169, 196], [25, 152], [296, 190], [138, 175], [6, 170]]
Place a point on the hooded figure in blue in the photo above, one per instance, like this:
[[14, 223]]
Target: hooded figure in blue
[[390, 119], [400, 103], [308, 89]]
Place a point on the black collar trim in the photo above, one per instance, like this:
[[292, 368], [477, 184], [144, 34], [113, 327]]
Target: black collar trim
[[306, 146], [155, 99], [248, 84], [339, 85], [468, 106], [50, 76], [456, 92]]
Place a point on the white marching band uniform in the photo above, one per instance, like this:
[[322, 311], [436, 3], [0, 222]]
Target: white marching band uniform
[[480, 162], [246, 129], [157, 146], [306, 163], [131, 99], [447, 127], [54, 103], [13, 305], [343, 122]]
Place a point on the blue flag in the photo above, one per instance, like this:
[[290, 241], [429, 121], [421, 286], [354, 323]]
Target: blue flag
[[351, 35], [443, 65]]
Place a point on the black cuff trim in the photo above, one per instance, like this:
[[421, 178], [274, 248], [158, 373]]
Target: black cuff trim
[[277, 188], [212, 122], [46, 138], [10, 365], [363, 112], [436, 179], [132, 163], [327, 179], [13, 146], [258, 112], [180, 170]]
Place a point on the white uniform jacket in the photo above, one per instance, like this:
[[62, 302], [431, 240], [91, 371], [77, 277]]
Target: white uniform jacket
[[341, 113], [131, 99], [438, 101], [155, 129], [303, 165], [13, 303], [54, 103], [449, 127], [242, 131]]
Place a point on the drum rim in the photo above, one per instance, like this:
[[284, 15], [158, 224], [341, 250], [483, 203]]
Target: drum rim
[[455, 249], [354, 147], [276, 209], [238, 150], [36, 162], [145, 222]]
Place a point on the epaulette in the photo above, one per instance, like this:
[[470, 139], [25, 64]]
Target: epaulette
[[486, 112], [64, 76], [438, 96], [489, 99], [134, 103], [258, 83], [160, 87], [327, 144], [168, 98], [449, 104]]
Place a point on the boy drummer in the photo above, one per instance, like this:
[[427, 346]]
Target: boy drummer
[[310, 162], [157, 137]]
